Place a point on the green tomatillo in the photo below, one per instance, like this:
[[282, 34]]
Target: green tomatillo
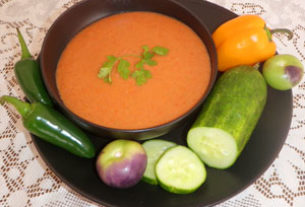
[[121, 163], [283, 72]]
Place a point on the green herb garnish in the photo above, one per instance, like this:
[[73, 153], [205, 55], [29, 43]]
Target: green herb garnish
[[141, 75], [123, 69], [105, 71], [160, 50]]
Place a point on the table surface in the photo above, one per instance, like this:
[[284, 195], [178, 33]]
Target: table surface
[[25, 180]]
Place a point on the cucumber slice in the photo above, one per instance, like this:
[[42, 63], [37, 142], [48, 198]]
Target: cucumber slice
[[180, 171], [154, 149], [215, 147]]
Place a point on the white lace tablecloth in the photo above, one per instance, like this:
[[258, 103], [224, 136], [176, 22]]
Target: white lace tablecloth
[[26, 181]]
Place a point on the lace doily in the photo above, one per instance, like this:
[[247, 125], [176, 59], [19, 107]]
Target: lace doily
[[26, 181]]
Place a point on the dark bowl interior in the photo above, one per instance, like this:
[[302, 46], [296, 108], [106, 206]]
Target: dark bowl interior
[[87, 12]]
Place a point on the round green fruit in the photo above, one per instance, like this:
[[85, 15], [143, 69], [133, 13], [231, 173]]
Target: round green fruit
[[283, 72], [121, 163]]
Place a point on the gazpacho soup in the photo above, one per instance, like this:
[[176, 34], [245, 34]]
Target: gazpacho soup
[[133, 70]]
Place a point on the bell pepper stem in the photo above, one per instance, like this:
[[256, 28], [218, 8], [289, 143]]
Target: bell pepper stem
[[25, 53], [22, 107], [282, 30]]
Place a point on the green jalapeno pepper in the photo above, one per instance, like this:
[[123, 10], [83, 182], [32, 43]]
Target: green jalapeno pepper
[[51, 126], [28, 75]]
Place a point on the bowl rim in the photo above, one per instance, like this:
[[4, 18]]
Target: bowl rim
[[59, 102]]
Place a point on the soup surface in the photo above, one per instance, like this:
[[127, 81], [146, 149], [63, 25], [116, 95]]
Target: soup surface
[[178, 81]]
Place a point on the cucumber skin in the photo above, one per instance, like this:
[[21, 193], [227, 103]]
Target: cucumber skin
[[235, 104], [166, 146], [150, 181]]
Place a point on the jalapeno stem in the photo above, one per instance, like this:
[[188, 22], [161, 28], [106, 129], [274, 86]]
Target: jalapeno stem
[[25, 53], [22, 107], [282, 30]]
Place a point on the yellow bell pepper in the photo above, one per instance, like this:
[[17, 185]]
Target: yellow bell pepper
[[244, 40]]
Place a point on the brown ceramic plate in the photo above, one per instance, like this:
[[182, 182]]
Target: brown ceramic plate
[[263, 147]]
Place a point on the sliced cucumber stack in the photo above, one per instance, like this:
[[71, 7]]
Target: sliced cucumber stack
[[180, 171], [154, 149]]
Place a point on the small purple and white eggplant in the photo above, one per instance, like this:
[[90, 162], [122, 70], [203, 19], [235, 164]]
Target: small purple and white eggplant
[[121, 163], [283, 72]]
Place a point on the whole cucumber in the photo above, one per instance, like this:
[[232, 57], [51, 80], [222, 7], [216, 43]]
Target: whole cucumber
[[228, 117]]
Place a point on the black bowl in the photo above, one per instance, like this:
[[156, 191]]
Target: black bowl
[[87, 12]]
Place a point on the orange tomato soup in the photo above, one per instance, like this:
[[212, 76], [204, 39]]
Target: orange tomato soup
[[178, 81]]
